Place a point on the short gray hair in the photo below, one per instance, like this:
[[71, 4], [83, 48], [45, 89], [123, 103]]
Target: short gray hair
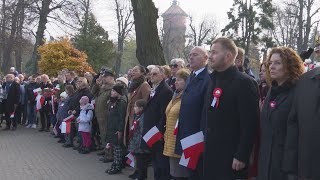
[[178, 61]]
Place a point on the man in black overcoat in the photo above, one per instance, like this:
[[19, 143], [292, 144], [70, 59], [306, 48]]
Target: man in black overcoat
[[11, 100], [230, 116], [154, 115], [302, 148]]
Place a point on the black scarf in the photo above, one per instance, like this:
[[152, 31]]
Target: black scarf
[[276, 89], [135, 84]]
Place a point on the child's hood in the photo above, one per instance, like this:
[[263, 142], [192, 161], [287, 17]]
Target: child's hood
[[87, 107]]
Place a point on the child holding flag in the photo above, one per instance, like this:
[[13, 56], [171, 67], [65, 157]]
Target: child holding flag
[[135, 138]]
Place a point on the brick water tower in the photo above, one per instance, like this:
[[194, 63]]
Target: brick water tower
[[174, 30]]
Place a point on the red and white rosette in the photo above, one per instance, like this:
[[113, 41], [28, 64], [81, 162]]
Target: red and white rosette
[[273, 104], [217, 92]]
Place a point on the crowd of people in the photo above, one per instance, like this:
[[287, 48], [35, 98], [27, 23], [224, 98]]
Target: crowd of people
[[210, 119]]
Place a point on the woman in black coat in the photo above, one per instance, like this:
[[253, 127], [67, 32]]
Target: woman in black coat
[[284, 67]]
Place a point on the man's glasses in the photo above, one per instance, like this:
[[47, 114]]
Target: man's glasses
[[154, 74], [173, 65]]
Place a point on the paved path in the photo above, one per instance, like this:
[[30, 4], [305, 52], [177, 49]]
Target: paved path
[[26, 154]]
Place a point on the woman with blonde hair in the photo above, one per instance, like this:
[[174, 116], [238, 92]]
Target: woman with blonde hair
[[283, 68], [172, 116]]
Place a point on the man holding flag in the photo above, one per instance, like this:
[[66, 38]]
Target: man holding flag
[[192, 103], [154, 123], [11, 100], [230, 115]]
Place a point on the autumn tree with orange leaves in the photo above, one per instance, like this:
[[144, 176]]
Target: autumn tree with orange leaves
[[61, 54]]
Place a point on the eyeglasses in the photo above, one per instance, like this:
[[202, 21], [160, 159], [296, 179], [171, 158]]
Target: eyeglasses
[[173, 65], [154, 74]]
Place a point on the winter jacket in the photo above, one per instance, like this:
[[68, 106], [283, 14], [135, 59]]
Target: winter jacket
[[85, 118], [29, 92], [115, 120], [172, 114]]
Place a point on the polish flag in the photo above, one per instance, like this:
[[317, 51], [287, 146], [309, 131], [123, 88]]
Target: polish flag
[[193, 143], [130, 160], [39, 102], [66, 124], [69, 118], [190, 162], [175, 131], [12, 115], [36, 91], [152, 136], [66, 127]]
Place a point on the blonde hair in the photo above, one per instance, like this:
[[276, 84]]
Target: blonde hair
[[183, 73]]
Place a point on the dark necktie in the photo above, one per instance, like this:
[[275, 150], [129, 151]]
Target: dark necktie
[[192, 76]]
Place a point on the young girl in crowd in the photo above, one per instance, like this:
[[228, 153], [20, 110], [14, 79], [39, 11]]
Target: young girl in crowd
[[84, 120], [116, 108], [135, 138]]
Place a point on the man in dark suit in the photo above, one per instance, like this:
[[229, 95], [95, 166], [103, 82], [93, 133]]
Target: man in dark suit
[[301, 151], [230, 115], [11, 100], [192, 102], [154, 115]]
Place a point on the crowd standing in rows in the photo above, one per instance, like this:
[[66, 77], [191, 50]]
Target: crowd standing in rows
[[207, 120]]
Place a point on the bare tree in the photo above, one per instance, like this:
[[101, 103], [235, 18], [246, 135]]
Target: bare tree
[[202, 31], [7, 61], [47, 11], [306, 21], [285, 31], [125, 22]]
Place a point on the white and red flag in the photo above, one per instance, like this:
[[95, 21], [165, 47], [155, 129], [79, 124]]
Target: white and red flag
[[66, 124], [130, 160], [190, 162], [69, 118], [152, 136], [12, 115], [39, 102], [175, 131], [36, 91], [193, 143]]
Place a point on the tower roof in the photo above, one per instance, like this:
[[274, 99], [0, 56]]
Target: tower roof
[[175, 9]]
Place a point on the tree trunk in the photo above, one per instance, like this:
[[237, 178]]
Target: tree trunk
[[3, 29], [300, 26], [19, 39], [119, 56], [149, 49], [44, 12], [307, 26], [7, 61]]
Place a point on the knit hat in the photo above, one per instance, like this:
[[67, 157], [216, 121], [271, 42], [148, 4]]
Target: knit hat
[[64, 94], [124, 80], [84, 100], [118, 88]]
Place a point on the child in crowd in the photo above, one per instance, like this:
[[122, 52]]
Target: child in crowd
[[116, 108], [135, 138], [61, 114], [84, 120]]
